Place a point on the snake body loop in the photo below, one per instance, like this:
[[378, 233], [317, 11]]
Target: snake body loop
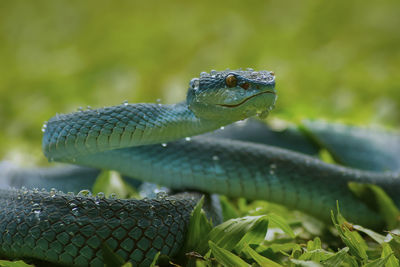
[[73, 230]]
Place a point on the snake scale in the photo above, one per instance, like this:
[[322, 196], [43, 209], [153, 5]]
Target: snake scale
[[154, 143]]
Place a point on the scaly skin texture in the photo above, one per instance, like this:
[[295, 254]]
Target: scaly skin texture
[[127, 138], [71, 230]]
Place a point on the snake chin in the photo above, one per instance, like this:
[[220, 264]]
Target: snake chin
[[245, 100]]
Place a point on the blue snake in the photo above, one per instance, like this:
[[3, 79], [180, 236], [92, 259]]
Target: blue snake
[[147, 142]]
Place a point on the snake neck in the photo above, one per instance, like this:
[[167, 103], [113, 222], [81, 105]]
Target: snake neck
[[91, 131]]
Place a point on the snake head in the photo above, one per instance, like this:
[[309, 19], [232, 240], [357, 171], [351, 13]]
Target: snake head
[[232, 95]]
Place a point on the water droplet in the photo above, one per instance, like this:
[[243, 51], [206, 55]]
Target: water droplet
[[222, 128], [80, 109], [44, 126], [213, 72], [113, 196], [101, 195], [215, 158], [75, 211], [125, 103], [188, 138], [89, 108], [53, 192], [161, 195], [250, 69], [203, 74], [164, 144], [36, 208], [84, 193]]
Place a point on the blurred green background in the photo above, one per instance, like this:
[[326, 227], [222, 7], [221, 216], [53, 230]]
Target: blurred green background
[[333, 59]]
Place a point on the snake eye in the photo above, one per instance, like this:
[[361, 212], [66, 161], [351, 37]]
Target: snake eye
[[231, 80]]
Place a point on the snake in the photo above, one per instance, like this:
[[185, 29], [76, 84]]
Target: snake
[[177, 145]]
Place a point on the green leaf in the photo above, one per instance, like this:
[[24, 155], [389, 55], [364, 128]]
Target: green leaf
[[281, 223], [153, 263], [229, 234], [377, 199], [352, 239], [110, 258], [228, 210], [386, 206], [267, 252], [375, 236], [316, 255], [198, 230], [255, 235], [394, 242], [286, 247], [262, 261], [305, 263], [395, 236], [226, 257], [314, 244], [4, 263], [379, 262], [337, 259], [315, 252], [387, 252]]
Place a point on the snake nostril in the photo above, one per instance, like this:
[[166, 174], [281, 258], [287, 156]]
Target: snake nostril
[[245, 86]]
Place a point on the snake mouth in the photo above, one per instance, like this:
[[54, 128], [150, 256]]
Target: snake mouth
[[245, 100]]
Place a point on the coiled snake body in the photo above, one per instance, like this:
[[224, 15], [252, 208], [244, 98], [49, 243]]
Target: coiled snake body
[[71, 230]]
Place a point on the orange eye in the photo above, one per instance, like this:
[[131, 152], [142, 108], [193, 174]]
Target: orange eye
[[231, 81]]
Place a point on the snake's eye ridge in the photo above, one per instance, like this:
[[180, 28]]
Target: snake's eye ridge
[[231, 80]]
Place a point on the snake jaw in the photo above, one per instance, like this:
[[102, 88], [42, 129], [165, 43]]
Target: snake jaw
[[245, 100]]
